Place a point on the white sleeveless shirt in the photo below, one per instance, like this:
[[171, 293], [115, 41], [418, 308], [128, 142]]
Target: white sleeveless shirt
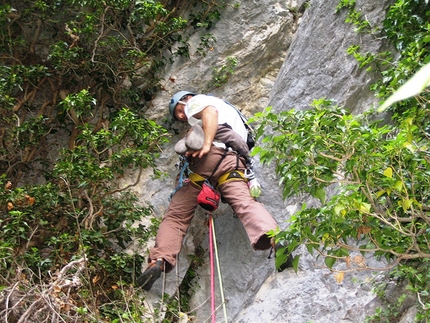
[[226, 113]]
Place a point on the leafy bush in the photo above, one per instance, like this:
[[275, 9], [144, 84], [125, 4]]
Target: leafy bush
[[370, 180], [75, 80], [378, 196]]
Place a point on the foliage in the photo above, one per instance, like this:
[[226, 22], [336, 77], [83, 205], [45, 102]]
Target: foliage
[[418, 83], [381, 178], [378, 196], [369, 180], [222, 75], [54, 52], [355, 16], [406, 27], [75, 79], [417, 277]]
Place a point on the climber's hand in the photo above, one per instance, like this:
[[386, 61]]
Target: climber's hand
[[204, 150], [198, 153]]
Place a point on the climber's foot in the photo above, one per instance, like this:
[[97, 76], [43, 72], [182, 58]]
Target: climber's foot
[[151, 274]]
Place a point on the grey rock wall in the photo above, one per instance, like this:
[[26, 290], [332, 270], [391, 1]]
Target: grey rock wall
[[284, 60], [317, 64]]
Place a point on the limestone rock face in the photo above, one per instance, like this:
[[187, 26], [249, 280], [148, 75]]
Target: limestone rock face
[[288, 53], [258, 35], [317, 64]]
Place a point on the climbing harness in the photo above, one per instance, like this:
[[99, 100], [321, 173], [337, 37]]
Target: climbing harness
[[186, 175], [208, 197], [235, 175], [196, 179], [214, 250]]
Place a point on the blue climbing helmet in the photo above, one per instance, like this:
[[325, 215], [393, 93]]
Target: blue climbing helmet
[[175, 99]]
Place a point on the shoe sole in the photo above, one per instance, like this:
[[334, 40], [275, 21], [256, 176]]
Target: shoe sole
[[148, 278]]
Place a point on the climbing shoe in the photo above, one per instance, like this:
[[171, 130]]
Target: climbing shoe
[[288, 263], [151, 274]]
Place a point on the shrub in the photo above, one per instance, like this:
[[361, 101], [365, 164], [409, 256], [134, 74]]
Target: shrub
[[371, 180]]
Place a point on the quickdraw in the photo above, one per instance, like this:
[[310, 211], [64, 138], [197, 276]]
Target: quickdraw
[[183, 175]]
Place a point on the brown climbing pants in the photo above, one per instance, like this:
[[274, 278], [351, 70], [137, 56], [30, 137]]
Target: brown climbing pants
[[256, 220]]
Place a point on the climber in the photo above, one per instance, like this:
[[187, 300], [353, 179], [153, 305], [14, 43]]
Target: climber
[[212, 161]]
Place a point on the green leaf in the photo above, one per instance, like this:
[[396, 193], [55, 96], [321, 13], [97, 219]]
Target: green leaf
[[388, 172], [398, 186], [409, 146], [296, 263], [310, 248], [342, 252], [406, 204], [329, 261], [365, 207], [380, 193], [281, 257], [256, 150], [320, 194]]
